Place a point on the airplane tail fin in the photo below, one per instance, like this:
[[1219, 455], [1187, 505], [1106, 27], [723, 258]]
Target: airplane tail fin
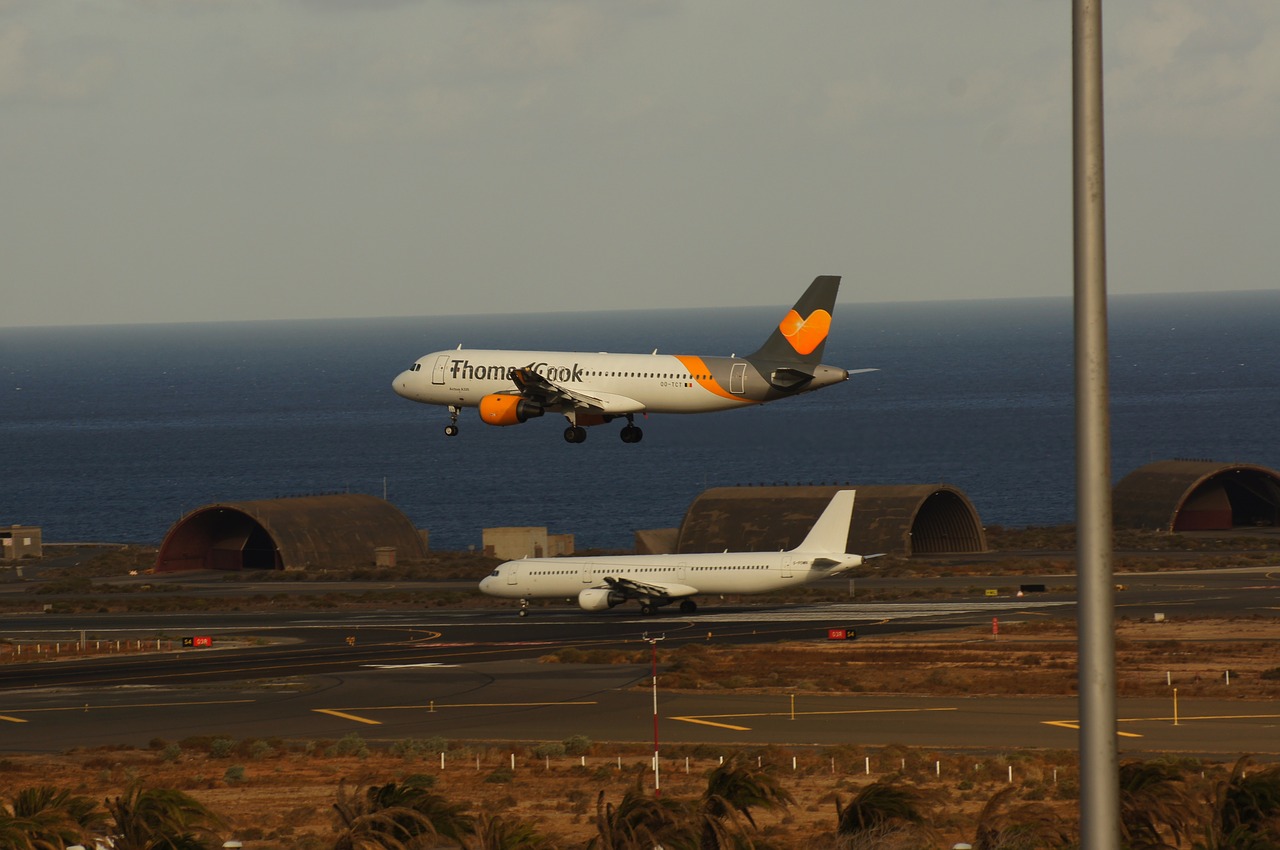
[[831, 532], [802, 334]]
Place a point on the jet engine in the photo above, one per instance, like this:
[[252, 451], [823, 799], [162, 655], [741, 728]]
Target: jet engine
[[501, 409], [599, 599]]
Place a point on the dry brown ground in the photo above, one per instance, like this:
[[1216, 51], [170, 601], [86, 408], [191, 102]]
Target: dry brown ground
[[286, 794], [285, 800]]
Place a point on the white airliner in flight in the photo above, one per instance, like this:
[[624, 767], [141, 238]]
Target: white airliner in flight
[[511, 387], [655, 580]]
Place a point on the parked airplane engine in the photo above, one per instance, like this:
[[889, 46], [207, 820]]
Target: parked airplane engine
[[599, 599], [501, 409]]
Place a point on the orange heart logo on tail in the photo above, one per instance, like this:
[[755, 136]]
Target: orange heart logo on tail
[[805, 334]]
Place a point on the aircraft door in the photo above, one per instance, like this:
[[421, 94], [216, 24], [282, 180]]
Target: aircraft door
[[586, 575], [681, 571], [513, 575], [738, 379], [437, 371], [786, 567]]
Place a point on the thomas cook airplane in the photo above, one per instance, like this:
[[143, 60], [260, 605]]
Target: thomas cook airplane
[[511, 387], [656, 580]]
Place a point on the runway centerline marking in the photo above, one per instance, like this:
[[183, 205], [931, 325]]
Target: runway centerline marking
[[709, 719]]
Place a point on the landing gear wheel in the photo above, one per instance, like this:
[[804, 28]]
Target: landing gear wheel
[[575, 434], [524, 612], [451, 430], [632, 434], [688, 606], [647, 609], [524, 607]]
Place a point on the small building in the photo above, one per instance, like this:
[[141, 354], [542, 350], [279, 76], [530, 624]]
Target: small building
[[20, 541], [516, 542]]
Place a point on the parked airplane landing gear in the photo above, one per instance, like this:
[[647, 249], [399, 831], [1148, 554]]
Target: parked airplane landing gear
[[575, 434], [524, 607], [688, 606], [451, 430]]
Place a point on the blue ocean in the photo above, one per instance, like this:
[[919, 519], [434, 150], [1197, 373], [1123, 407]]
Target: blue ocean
[[112, 433]]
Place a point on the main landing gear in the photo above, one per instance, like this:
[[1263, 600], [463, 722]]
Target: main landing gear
[[630, 433]]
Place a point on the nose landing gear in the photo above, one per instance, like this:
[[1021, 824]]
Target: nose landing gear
[[451, 430]]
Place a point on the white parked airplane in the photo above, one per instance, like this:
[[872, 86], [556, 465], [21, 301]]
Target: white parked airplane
[[511, 387], [655, 580]]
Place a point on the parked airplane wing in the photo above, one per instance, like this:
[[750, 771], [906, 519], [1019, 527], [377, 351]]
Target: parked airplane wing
[[550, 395], [649, 589]]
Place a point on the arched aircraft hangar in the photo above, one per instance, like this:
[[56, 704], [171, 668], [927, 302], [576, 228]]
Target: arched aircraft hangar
[[1197, 495], [294, 533], [905, 520]]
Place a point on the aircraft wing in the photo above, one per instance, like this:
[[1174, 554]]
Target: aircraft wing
[[649, 589], [552, 396]]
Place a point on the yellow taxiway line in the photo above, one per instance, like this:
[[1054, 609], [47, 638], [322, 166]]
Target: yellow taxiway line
[[1075, 724], [345, 716], [709, 719], [345, 713], [88, 707]]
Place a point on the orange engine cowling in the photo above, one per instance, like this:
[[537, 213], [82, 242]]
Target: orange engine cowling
[[507, 410]]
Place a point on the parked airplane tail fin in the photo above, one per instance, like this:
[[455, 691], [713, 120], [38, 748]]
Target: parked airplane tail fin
[[802, 333], [831, 531]]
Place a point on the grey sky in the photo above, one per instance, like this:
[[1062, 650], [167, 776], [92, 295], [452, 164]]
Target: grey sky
[[191, 160]]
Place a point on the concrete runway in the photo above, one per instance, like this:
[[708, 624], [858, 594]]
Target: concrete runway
[[465, 675]]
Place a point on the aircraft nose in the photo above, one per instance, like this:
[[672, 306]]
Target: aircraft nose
[[402, 383]]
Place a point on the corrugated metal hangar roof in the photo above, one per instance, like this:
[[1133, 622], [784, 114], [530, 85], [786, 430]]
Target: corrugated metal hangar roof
[[908, 519], [295, 533], [1197, 495]]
